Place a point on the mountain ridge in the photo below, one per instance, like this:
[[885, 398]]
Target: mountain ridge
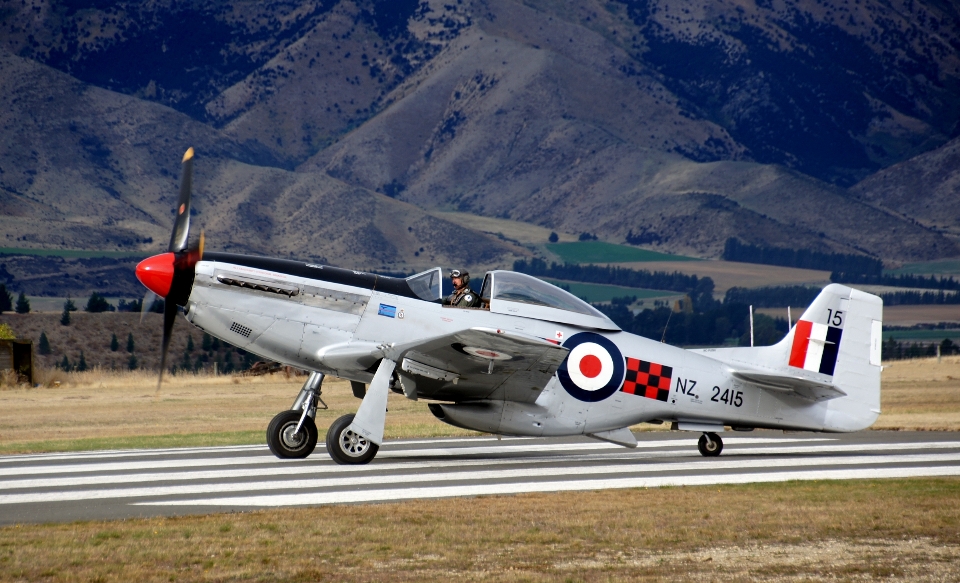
[[678, 124]]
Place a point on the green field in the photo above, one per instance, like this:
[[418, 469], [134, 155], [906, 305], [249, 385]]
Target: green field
[[598, 292], [71, 253], [941, 267], [921, 334], [601, 252]]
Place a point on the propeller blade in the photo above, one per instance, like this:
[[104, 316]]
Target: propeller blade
[[181, 227], [194, 254], [148, 299], [169, 317]]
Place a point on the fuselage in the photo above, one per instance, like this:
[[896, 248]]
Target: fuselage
[[341, 323]]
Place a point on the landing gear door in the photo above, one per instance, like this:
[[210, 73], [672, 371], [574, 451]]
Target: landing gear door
[[428, 285]]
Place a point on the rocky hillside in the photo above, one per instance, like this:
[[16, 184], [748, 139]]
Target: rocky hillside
[[326, 130], [925, 188]]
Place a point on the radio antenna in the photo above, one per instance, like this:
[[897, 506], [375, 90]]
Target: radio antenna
[[664, 337]]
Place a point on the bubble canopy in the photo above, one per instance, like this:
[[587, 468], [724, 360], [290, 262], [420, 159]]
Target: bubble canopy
[[519, 294]]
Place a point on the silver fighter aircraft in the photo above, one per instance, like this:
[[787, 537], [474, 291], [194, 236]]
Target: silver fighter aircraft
[[533, 360]]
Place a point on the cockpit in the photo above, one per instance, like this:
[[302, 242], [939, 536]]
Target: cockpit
[[518, 294]]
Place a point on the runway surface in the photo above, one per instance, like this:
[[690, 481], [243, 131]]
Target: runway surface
[[139, 483]]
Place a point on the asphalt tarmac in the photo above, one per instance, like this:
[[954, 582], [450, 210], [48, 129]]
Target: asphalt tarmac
[[106, 485]]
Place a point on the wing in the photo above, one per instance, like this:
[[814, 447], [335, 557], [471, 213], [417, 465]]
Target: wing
[[480, 363], [803, 387]]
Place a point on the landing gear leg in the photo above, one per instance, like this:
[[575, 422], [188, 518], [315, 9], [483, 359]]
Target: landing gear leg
[[355, 439], [710, 445], [293, 434]]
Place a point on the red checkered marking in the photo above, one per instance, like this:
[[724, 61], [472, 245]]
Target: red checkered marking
[[647, 379]]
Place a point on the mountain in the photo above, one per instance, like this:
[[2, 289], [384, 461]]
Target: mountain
[[925, 188], [325, 128], [83, 167]]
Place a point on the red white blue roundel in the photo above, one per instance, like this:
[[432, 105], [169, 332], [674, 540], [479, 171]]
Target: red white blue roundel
[[594, 368]]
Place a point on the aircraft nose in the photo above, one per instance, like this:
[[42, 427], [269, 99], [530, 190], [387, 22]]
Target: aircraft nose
[[157, 273]]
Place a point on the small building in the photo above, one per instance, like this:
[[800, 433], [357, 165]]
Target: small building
[[17, 355]]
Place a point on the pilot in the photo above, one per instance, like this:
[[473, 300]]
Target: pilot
[[462, 296]]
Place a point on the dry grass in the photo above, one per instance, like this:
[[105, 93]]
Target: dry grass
[[525, 233], [921, 395], [910, 315], [727, 274], [105, 409], [893, 529]]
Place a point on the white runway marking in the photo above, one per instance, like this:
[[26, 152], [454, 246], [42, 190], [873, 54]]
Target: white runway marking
[[379, 480], [60, 487], [314, 499], [522, 448], [286, 469]]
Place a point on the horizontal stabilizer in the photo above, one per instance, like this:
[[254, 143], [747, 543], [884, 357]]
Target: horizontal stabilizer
[[803, 387]]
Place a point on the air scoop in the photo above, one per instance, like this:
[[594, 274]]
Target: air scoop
[[156, 273]]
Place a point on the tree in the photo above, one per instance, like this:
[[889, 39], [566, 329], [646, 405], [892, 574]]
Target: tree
[[114, 343], [65, 316], [131, 306], [132, 362], [130, 346], [97, 304], [6, 300], [553, 237], [23, 304], [948, 347], [44, 346], [205, 344], [65, 364], [82, 363], [190, 343], [69, 305]]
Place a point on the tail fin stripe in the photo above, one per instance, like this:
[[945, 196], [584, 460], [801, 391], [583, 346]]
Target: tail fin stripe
[[818, 335], [830, 350], [801, 339]]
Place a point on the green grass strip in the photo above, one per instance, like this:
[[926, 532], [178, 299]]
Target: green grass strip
[[602, 252], [939, 267], [599, 292], [137, 442]]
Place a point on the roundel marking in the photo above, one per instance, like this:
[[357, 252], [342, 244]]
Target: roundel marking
[[487, 353], [594, 368]]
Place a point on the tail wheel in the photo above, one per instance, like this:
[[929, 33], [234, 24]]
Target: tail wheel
[[285, 441], [710, 445], [347, 447]]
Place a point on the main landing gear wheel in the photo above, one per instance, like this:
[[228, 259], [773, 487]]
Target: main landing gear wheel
[[347, 447], [710, 445], [285, 441]]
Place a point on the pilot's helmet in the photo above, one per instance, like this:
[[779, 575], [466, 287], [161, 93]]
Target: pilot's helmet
[[462, 274]]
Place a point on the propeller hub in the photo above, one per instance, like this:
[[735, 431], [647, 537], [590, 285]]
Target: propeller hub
[[156, 273]]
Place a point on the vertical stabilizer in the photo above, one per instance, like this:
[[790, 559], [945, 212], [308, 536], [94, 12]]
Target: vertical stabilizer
[[830, 357], [839, 336]]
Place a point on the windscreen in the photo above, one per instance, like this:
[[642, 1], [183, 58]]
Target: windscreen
[[524, 289], [426, 285]]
